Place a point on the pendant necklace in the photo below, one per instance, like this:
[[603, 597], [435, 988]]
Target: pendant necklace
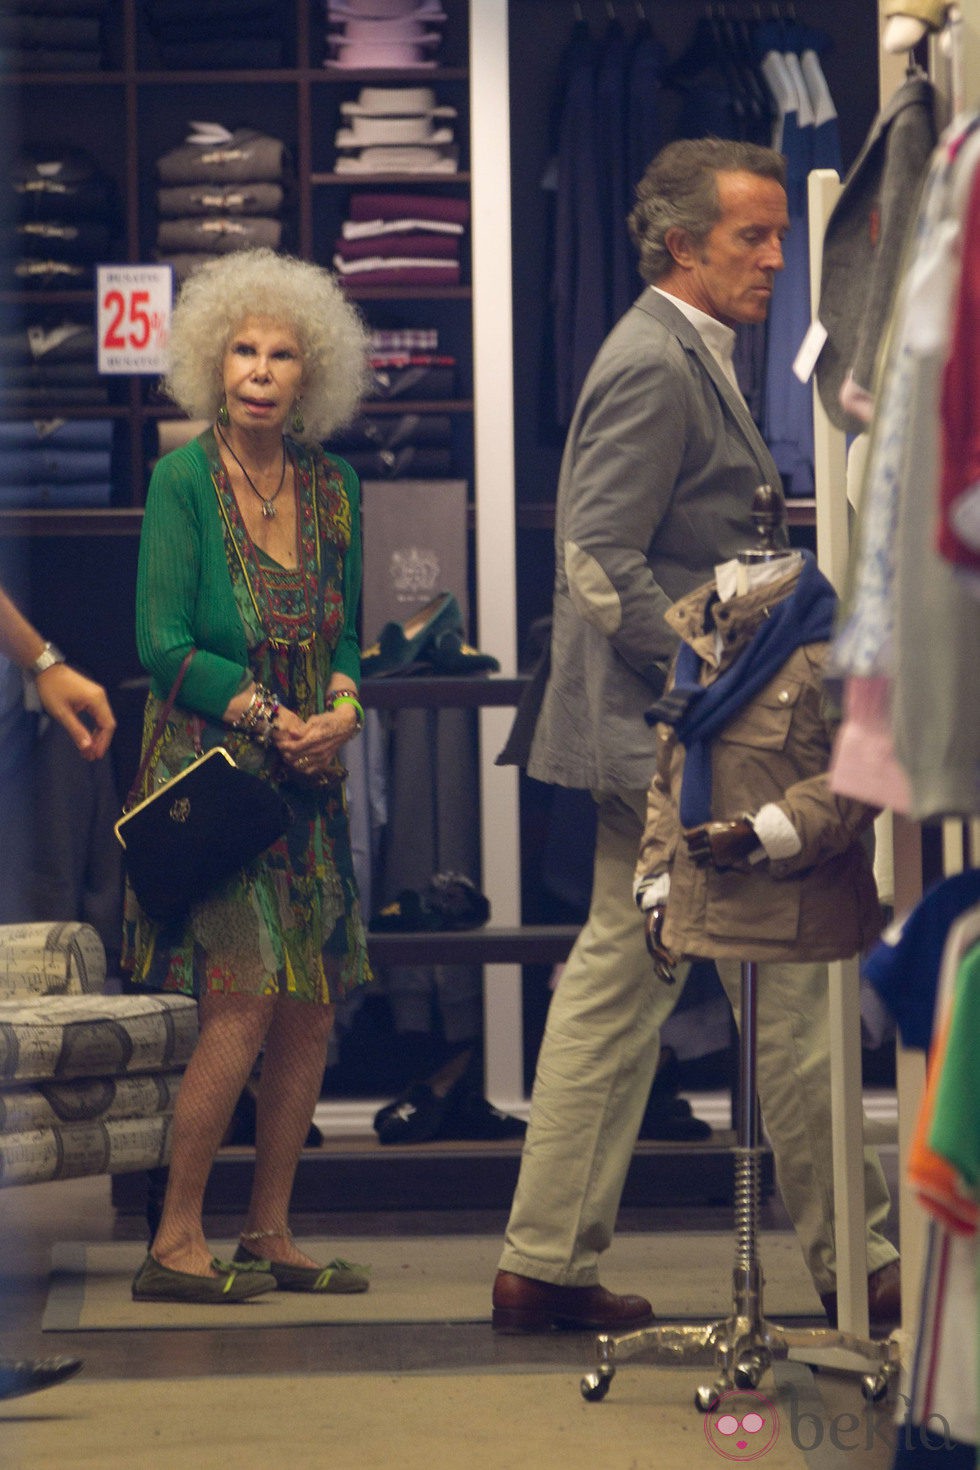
[[268, 502]]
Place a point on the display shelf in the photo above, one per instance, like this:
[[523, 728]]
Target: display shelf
[[414, 180], [421, 691], [528, 944], [138, 111], [96, 521]]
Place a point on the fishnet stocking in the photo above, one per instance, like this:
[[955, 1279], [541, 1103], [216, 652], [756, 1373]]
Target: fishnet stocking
[[292, 1075], [232, 1031]]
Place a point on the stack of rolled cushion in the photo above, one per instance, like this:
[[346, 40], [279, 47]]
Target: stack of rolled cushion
[[403, 239], [59, 217], [214, 34], [52, 35], [220, 191], [396, 130], [381, 35]]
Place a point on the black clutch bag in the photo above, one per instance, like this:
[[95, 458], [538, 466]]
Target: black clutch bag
[[196, 830]]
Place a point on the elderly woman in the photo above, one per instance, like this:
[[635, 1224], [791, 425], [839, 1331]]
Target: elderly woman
[[250, 559]]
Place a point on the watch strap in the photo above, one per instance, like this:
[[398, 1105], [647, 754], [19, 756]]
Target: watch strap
[[48, 656]]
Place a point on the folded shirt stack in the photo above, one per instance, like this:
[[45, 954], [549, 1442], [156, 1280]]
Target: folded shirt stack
[[407, 365], [376, 35], [400, 130], [59, 216], [414, 375], [55, 463], [401, 240], [52, 35], [194, 35], [219, 191], [396, 446]]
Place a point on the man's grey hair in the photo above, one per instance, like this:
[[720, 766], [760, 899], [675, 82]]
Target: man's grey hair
[[679, 190]]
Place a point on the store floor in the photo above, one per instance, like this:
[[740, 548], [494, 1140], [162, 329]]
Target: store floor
[[34, 1218]]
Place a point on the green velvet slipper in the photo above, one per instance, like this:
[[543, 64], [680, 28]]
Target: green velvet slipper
[[341, 1278], [235, 1283], [401, 644]]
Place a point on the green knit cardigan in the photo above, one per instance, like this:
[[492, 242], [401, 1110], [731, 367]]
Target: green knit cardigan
[[184, 597]]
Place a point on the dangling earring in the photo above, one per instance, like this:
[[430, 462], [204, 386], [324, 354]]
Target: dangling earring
[[299, 423], [223, 416]]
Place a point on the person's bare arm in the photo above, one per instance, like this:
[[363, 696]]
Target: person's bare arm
[[65, 694]]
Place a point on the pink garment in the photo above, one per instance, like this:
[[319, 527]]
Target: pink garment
[[960, 402], [408, 206], [402, 275], [863, 763], [405, 243], [855, 400]]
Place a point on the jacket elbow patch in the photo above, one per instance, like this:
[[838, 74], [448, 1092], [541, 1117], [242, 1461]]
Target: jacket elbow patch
[[592, 593]]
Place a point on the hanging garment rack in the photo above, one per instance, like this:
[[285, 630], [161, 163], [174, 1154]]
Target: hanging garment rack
[[744, 1345]]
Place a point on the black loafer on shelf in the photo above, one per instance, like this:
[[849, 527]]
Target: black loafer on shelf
[[475, 1118], [419, 1115], [415, 1117], [671, 1121], [450, 902]]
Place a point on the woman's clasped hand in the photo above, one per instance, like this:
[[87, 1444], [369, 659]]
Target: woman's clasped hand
[[310, 748]]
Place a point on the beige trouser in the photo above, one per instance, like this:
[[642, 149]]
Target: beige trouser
[[596, 1065]]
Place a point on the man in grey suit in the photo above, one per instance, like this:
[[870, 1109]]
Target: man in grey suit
[[660, 467]]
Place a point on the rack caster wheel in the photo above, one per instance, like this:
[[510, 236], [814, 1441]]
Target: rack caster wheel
[[595, 1386], [748, 1371], [706, 1398], [874, 1387]]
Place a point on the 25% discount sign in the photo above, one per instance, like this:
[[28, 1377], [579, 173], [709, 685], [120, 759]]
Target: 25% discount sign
[[134, 307]]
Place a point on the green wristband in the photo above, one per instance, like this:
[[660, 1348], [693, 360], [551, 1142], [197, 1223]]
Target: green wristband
[[345, 697]]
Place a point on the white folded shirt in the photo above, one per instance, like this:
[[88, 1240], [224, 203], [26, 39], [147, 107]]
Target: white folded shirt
[[399, 161], [363, 229], [399, 132], [391, 263]]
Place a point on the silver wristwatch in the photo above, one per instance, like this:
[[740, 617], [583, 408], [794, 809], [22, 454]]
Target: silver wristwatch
[[49, 655]]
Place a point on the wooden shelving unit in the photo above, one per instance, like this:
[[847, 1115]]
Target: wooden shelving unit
[[128, 114]]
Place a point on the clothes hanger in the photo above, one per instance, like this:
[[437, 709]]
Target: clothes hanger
[[738, 44], [700, 55], [768, 515], [726, 60]]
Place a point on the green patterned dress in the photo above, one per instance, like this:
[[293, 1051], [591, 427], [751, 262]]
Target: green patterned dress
[[289, 923]]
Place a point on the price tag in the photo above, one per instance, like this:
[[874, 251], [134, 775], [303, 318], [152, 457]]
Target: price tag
[[810, 349], [134, 307]]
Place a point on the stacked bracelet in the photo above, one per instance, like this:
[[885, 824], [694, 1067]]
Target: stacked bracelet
[[347, 696], [260, 716]]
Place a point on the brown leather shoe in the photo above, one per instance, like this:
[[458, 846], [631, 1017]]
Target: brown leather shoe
[[524, 1304], [884, 1299]]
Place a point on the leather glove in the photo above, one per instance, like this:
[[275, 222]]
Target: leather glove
[[721, 845], [663, 960]]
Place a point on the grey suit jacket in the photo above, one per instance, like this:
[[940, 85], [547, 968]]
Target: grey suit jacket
[[660, 466]]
